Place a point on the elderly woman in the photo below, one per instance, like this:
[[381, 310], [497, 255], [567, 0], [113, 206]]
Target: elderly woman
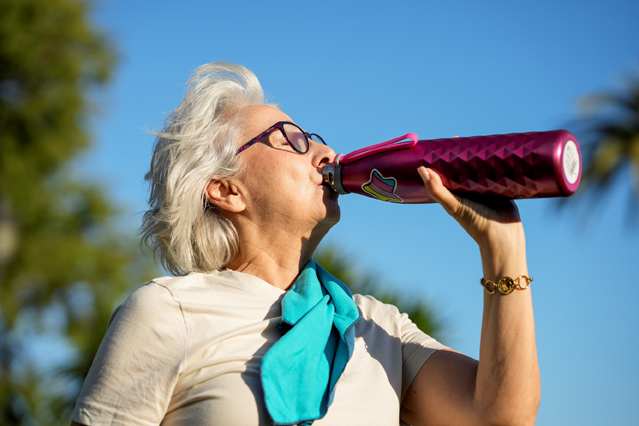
[[251, 331]]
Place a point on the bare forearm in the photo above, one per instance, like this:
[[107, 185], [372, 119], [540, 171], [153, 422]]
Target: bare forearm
[[503, 387], [507, 386]]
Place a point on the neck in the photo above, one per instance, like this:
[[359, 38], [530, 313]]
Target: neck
[[276, 257]]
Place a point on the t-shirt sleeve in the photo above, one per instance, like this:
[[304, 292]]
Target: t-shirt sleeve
[[417, 347], [138, 363]]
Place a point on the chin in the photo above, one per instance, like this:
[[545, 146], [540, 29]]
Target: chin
[[333, 212], [330, 219]]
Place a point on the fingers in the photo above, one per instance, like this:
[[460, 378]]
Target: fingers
[[437, 191], [423, 172]]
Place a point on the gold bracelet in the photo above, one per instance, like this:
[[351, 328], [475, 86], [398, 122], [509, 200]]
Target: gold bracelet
[[505, 285]]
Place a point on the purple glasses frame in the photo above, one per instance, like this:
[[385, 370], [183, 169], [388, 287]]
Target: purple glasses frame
[[280, 126]]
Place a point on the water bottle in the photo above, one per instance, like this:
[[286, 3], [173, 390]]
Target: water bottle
[[517, 165]]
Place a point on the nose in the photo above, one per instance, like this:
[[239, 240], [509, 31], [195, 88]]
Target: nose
[[321, 155]]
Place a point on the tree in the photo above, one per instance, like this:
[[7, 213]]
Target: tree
[[62, 268], [609, 136], [418, 310]]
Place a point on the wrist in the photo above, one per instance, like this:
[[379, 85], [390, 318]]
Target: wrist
[[503, 251]]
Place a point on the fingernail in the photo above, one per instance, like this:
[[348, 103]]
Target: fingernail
[[424, 174]]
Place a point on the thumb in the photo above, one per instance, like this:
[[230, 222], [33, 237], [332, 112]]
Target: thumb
[[437, 191]]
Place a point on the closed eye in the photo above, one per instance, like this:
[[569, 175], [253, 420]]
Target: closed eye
[[278, 140]]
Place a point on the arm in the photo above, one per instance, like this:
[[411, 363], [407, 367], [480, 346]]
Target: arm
[[503, 387]]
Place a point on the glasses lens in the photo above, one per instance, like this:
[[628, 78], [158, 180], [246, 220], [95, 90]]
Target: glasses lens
[[296, 138], [317, 138]]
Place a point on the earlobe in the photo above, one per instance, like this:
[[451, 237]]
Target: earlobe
[[225, 195]]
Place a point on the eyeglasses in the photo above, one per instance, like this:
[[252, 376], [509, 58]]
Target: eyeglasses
[[293, 135]]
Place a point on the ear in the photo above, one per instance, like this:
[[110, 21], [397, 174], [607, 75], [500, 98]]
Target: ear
[[225, 196]]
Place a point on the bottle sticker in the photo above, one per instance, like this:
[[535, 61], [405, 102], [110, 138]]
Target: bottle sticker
[[382, 188], [570, 162]]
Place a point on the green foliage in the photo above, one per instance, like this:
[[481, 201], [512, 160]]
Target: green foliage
[[340, 266], [609, 138], [62, 267]]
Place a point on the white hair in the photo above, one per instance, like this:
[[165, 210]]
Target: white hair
[[198, 143]]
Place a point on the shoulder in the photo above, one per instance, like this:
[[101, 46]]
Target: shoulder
[[152, 302], [160, 294], [378, 318], [389, 318], [181, 281], [151, 296], [384, 325], [371, 308], [198, 301]]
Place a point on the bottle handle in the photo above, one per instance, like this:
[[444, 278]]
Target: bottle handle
[[390, 145]]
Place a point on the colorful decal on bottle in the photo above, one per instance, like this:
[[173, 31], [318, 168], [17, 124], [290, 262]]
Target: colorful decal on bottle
[[382, 188]]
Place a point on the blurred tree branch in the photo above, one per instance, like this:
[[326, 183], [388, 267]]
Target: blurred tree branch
[[608, 132], [62, 265]]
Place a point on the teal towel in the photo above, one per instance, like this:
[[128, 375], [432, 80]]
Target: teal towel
[[300, 371]]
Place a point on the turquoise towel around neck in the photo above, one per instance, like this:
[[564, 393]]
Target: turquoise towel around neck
[[300, 371]]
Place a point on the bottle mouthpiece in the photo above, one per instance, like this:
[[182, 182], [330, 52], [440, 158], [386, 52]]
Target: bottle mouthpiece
[[333, 177]]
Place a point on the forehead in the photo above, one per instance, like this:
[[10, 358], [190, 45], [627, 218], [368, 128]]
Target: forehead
[[258, 118]]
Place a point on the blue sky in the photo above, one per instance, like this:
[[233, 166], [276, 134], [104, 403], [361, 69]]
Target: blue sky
[[359, 73]]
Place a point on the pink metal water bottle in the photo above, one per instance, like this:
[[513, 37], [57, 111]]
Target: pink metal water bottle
[[517, 165]]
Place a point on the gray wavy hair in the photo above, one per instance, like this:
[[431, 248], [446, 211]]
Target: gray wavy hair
[[197, 144]]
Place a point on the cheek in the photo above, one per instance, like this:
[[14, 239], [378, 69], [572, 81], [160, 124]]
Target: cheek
[[279, 179], [270, 185]]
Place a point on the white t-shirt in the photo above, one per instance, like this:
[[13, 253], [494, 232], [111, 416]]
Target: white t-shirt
[[187, 351]]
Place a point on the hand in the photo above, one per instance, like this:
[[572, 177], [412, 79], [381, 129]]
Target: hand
[[493, 223]]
